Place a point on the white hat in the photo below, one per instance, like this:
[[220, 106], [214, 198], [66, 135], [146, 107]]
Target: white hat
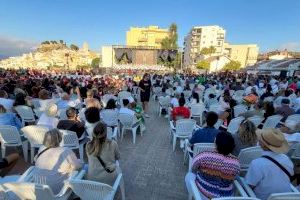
[[51, 110]]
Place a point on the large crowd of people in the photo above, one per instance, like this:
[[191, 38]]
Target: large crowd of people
[[84, 103]]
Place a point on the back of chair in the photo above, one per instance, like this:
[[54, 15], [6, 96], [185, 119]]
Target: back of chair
[[239, 93], [126, 120], [90, 190], [248, 154], [272, 121], [294, 117], [214, 108], [285, 196], [106, 98], [187, 93], [123, 95], [185, 127], [164, 101], [234, 125], [9, 135], [62, 114], [256, 120], [197, 109], [157, 90], [25, 112], [25, 190], [201, 147], [239, 109], [109, 117], [218, 123], [69, 139], [35, 134]]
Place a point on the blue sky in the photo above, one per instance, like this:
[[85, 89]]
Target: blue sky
[[272, 24]]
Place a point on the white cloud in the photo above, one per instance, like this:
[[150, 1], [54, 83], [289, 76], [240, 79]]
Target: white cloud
[[291, 46], [10, 46]]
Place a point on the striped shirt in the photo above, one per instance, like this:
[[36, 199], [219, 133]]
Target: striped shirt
[[215, 173]]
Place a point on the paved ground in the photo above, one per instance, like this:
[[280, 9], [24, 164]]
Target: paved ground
[[152, 171]]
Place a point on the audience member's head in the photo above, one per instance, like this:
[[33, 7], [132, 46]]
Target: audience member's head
[[43, 94], [211, 96], [271, 139], [211, 119], [99, 137], [52, 138], [71, 113], [181, 101], [111, 104], [285, 101], [196, 96], [3, 94], [224, 143], [247, 133], [125, 102], [92, 102], [92, 115]]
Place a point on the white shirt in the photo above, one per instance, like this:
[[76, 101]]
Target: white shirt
[[126, 111], [267, 177], [248, 90], [50, 122], [7, 103], [174, 102]]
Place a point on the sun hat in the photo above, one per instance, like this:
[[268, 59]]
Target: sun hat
[[52, 110], [273, 139]]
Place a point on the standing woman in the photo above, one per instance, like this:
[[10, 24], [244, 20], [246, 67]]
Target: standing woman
[[145, 87]]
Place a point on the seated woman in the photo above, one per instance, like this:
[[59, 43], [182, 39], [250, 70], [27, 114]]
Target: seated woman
[[7, 118], [207, 171], [102, 155], [181, 111], [246, 137], [48, 118], [112, 118], [92, 117], [54, 163]]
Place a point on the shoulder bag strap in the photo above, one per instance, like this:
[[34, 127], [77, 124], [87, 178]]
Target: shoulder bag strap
[[104, 165], [280, 166], [39, 154]]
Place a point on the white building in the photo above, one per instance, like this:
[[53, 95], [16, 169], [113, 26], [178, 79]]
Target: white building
[[200, 37]]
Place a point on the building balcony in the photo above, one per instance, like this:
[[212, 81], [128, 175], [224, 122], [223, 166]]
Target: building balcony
[[142, 39]]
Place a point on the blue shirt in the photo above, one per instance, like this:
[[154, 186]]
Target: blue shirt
[[10, 119], [205, 135]]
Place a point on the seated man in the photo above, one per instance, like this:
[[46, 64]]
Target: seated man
[[270, 173], [208, 133], [66, 101], [285, 110], [125, 109], [72, 123], [181, 111], [5, 101]]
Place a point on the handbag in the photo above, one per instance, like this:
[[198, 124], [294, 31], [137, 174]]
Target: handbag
[[104, 165]]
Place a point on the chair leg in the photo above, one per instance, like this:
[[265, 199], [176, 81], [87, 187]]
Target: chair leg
[[174, 142], [3, 150], [122, 187], [81, 152], [32, 154], [134, 134], [122, 133], [25, 150]]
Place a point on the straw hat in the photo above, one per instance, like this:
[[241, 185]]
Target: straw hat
[[52, 110], [273, 139]]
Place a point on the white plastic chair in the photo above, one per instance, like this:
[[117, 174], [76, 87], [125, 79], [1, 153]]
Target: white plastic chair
[[247, 155], [123, 95], [136, 92], [130, 123], [110, 117], [91, 190], [198, 148], [234, 125], [269, 99], [107, 97], [218, 123], [184, 128], [70, 140], [285, 196], [256, 120], [238, 96], [272, 121], [214, 108], [197, 112], [294, 117], [239, 109], [187, 94], [62, 114], [35, 135], [10, 137], [156, 91], [163, 103], [193, 191], [26, 114], [26, 188]]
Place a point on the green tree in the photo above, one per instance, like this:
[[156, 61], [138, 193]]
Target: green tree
[[208, 51], [170, 42], [61, 41], [45, 42], [74, 47], [232, 65], [203, 64], [95, 62]]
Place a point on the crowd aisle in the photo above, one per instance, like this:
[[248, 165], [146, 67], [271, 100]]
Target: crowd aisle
[[151, 169]]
